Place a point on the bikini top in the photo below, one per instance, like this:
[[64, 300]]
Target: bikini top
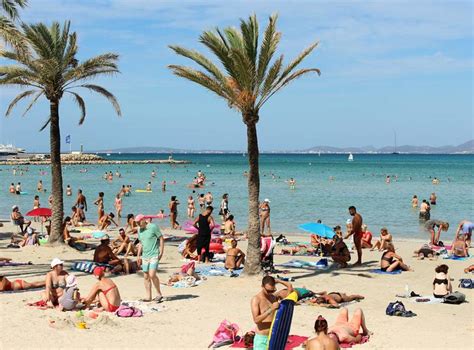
[[440, 281], [59, 285]]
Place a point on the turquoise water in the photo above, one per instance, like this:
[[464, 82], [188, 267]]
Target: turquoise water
[[360, 183]]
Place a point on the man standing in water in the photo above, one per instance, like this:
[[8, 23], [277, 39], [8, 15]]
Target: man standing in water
[[150, 236], [357, 232], [81, 205], [264, 305]]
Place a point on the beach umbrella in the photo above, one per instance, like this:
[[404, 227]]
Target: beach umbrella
[[40, 212], [318, 229]]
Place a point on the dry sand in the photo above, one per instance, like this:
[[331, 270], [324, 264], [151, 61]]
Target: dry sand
[[190, 316]]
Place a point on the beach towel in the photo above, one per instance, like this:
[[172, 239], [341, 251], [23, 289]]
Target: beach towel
[[11, 263], [40, 305], [293, 342], [214, 270], [454, 257], [379, 271], [301, 264], [171, 238], [128, 311], [429, 299], [364, 340], [87, 266]]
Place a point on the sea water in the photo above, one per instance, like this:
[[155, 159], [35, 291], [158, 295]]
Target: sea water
[[326, 186]]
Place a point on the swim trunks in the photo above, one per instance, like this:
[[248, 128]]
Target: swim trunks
[[260, 342], [150, 264]]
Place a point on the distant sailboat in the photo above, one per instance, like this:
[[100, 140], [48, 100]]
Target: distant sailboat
[[395, 143], [350, 158]]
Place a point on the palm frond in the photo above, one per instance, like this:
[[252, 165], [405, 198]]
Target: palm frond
[[18, 99], [270, 41], [33, 101], [272, 76], [12, 36], [10, 7], [250, 36], [45, 124], [82, 105], [289, 68], [106, 94]]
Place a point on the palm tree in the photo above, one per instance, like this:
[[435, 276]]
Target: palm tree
[[49, 66], [250, 77], [8, 31]]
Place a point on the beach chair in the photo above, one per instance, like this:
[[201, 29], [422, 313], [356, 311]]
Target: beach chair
[[267, 245]]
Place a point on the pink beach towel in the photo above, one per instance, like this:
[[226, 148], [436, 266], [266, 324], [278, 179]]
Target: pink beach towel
[[293, 342], [364, 340]]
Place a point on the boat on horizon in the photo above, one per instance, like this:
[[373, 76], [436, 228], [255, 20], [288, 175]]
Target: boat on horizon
[[9, 150], [350, 158]]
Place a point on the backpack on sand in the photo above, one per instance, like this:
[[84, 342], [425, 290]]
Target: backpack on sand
[[454, 298]]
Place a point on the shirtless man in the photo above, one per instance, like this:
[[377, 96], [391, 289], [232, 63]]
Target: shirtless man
[[106, 220], [345, 331], [208, 199], [81, 204], [103, 254], [322, 341], [357, 232], [234, 258], [264, 305]]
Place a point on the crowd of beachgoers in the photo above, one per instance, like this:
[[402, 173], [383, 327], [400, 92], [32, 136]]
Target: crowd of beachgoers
[[139, 245]]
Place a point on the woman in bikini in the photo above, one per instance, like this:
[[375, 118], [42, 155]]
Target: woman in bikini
[[265, 217], [191, 207], [55, 282], [345, 331], [385, 239], [391, 261], [100, 206], [6, 285], [118, 205], [442, 283], [334, 299], [105, 292]]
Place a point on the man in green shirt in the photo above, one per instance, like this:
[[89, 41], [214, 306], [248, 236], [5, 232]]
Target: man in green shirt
[[149, 235]]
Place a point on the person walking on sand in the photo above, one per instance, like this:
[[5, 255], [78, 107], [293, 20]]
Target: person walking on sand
[[149, 255], [357, 232], [263, 306], [265, 217]]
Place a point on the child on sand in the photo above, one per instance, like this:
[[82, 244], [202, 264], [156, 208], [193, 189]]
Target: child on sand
[[71, 297]]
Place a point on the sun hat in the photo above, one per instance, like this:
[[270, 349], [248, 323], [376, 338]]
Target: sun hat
[[98, 271], [15, 207], [266, 200], [139, 217], [71, 281], [56, 261]]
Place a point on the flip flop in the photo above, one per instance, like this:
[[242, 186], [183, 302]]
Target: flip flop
[[145, 300], [158, 300]]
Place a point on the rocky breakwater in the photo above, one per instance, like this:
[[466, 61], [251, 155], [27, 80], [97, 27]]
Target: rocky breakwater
[[85, 158]]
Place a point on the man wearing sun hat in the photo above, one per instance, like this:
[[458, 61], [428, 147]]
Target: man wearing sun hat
[[152, 247]]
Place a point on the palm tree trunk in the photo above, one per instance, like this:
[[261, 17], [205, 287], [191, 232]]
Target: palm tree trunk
[[252, 263], [56, 175]]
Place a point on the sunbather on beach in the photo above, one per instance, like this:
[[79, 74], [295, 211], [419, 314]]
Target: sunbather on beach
[[188, 248], [459, 247], [6, 285], [340, 253], [442, 283], [345, 331], [432, 225], [103, 254], [18, 219], [263, 306], [390, 261], [187, 270], [106, 220], [366, 239], [466, 227], [55, 282], [322, 341], [334, 299], [123, 244], [132, 226], [425, 252], [385, 238], [105, 292], [235, 258]]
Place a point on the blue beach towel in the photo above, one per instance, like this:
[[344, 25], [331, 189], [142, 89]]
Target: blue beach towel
[[453, 257], [301, 264], [215, 271], [87, 266], [379, 271]]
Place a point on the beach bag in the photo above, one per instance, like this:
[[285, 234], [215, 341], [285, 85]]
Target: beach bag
[[466, 283], [128, 311], [455, 298], [225, 334], [394, 308]]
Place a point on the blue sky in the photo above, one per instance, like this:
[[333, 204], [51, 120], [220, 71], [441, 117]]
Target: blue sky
[[386, 65]]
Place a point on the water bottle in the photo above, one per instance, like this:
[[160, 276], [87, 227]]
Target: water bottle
[[407, 290]]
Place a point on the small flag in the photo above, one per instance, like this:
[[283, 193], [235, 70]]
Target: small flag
[[68, 139]]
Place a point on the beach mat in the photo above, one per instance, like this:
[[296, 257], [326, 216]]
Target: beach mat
[[11, 263], [214, 270], [432, 300], [301, 264], [380, 272], [87, 266], [293, 342], [364, 340], [452, 257], [171, 238]]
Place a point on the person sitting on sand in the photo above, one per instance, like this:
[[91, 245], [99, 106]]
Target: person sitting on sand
[[106, 220], [123, 244], [466, 227], [71, 296], [68, 239], [55, 282], [234, 258], [229, 226], [459, 247], [186, 271], [385, 239], [105, 292], [300, 249], [30, 238], [432, 225], [7, 286], [340, 253], [18, 219], [366, 239], [132, 226], [425, 252], [103, 254], [322, 341], [334, 299], [78, 220], [263, 306], [390, 261], [188, 248], [442, 283], [347, 332]]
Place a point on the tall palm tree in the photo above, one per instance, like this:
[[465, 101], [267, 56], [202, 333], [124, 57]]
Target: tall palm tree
[[49, 66], [250, 77], [8, 15]]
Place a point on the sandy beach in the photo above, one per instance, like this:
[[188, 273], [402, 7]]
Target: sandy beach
[[189, 316]]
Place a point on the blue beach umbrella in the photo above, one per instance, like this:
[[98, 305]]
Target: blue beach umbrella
[[318, 229]]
